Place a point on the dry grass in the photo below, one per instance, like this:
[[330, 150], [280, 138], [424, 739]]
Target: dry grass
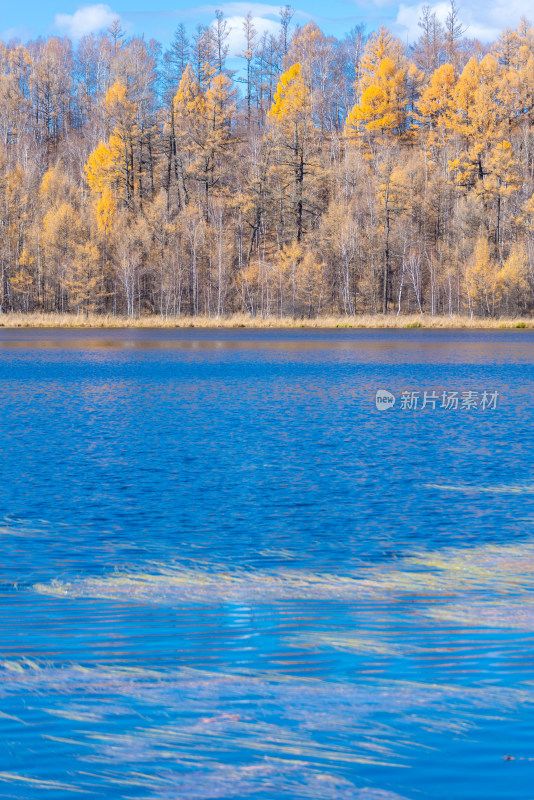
[[55, 320]]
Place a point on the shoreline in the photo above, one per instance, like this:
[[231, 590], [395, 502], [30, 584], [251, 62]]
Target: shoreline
[[364, 321]]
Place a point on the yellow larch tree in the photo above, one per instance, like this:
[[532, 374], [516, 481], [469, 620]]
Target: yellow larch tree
[[60, 235], [84, 280], [476, 118], [481, 278], [386, 88], [121, 114], [436, 103], [513, 278], [292, 124], [103, 173], [501, 179], [17, 251], [380, 45], [110, 169], [392, 192], [189, 110], [383, 104], [204, 128]]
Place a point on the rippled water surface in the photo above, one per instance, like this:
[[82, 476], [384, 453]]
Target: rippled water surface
[[225, 574]]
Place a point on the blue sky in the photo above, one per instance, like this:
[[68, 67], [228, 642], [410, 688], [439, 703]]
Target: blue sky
[[158, 18]]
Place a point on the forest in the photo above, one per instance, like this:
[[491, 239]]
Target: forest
[[318, 176]]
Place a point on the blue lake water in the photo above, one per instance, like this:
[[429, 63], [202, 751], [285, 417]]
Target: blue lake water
[[225, 574]]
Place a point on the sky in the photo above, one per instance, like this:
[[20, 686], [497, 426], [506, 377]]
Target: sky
[[27, 19]]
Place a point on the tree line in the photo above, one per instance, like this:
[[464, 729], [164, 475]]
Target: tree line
[[323, 176]]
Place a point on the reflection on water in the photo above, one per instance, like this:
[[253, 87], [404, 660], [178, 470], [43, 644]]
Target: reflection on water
[[456, 346], [225, 574]]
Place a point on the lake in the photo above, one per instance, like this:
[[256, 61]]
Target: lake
[[226, 574]]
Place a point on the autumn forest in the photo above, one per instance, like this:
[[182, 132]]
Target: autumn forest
[[309, 175]]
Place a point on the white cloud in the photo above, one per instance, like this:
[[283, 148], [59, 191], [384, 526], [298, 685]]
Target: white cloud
[[17, 32], [236, 39], [484, 19], [88, 19]]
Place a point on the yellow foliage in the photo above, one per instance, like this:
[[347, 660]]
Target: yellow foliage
[[106, 208], [502, 171], [481, 275], [436, 102], [25, 259], [59, 226], [476, 113], [288, 257], [22, 282], [83, 281], [60, 232], [55, 186], [220, 103], [98, 166], [189, 100], [102, 170], [379, 46], [203, 124], [292, 98], [118, 105], [383, 105], [513, 275], [300, 273], [492, 171]]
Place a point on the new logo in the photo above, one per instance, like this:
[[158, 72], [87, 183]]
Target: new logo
[[384, 400]]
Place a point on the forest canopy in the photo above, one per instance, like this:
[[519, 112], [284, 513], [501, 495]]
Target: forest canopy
[[323, 176]]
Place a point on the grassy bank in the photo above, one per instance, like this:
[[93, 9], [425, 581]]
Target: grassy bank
[[55, 320]]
